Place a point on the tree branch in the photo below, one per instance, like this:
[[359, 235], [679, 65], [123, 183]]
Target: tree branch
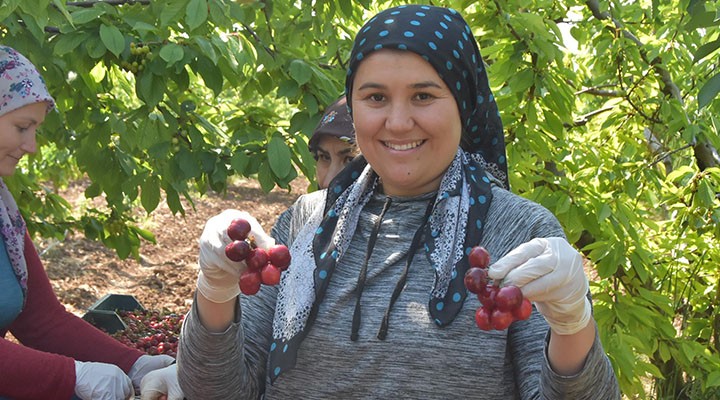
[[88, 4], [705, 154], [597, 91]]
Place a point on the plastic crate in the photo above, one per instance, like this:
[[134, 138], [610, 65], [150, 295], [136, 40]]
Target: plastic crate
[[103, 314]]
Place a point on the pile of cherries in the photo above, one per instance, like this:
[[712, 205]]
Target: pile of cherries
[[500, 306], [150, 332], [264, 267]]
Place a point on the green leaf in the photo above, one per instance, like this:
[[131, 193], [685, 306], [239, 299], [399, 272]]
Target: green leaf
[[7, 7], [173, 201], [279, 157], [265, 177], [112, 38], [211, 74], [85, 15], [196, 13], [145, 234], [68, 43], [709, 91], [155, 91], [713, 380], [150, 194], [704, 50], [239, 162], [171, 11], [172, 53], [207, 48], [300, 71]]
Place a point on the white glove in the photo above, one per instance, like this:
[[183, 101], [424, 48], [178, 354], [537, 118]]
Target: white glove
[[146, 364], [101, 381], [219, 276], [549, 271], [161, 382]]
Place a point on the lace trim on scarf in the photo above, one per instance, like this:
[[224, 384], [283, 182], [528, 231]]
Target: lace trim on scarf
[[12, 230], [297, 294]]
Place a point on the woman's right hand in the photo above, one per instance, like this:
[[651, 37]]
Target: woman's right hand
[[218, 277], [101, 381]]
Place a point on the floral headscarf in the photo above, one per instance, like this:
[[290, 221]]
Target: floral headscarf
[[20, 84], [456, 221]]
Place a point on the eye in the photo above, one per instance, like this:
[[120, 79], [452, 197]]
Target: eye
[[22, 129], [347, 160], [424, 96], [323, 157], [376, 97]]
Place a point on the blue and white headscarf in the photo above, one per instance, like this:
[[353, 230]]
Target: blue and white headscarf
[[443, 38]]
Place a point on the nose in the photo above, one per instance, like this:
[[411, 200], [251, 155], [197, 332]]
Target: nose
[[335, 167], [29, 143], [399, 118]]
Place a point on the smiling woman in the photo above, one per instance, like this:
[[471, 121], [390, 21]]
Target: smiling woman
[[407, 122], [74, 359], [374, 303], [17, 134]]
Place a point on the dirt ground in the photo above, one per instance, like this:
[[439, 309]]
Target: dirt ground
[[83, 271]]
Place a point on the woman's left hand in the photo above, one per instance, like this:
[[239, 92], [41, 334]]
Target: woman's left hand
[[161, 384], [549, 271], [146, 364]]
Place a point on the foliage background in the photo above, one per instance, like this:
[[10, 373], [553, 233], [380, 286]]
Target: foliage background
[[609, 108]]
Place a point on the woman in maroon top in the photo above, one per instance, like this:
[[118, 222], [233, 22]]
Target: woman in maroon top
[[60, 356]]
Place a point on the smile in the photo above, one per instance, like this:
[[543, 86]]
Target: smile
[[402, 147]]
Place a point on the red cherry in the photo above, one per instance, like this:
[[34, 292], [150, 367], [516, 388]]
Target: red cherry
[[250, 282], [523, 311], [270, 275], [476, 279], [256, 259], [508, 298], [500, 320], [239, 229], [237, 250], [279, 255], [479, 257], [487, 296], [482, 318]]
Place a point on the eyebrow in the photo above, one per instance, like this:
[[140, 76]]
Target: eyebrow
[[28, 119], [418, 85], [344, 151]]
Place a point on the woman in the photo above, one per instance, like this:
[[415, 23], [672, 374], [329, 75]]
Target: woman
[[373, 304], [60, 356], [333, 142]]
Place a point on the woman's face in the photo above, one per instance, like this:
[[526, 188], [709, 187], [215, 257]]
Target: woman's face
[[332, 156], [17, 134], [407, 123]]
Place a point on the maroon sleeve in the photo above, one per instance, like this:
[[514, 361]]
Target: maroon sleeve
[[45, 325], [21, 366]]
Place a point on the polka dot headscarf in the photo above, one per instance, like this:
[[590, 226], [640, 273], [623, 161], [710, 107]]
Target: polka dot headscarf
[[455, 218], [443, 38]]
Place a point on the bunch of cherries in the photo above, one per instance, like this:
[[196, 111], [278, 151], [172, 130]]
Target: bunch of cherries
[[500, 306], [263, 266]]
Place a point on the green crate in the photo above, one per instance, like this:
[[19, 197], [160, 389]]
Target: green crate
[[103, 314]]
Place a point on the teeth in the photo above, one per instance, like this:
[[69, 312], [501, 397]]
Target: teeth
[[406, 146]]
